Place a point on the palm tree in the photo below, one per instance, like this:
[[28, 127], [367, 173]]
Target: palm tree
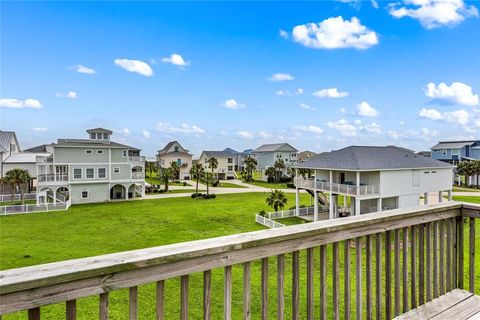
[[197, 172], [213, 164], [166, 176], [291, 172], [476, 170], [208, 177], [279, 166], [150, 167], [15, 178], [250, 167], [276, 199], [270, 173], [175, 169]]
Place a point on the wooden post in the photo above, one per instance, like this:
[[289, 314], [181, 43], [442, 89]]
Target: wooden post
[[246, 291], [207, 294], [405, 268], [184, 297], [368, 275], [133, 303], [397, 271], [323, 282], [378, 279], [388, 275], [413, 269], [227, 292], [104, 306], [310, 306], [336, 295], [295, 285], [160, 298], [346, 281], [358, 280], [71, 310], [280, 287], [471, 271]]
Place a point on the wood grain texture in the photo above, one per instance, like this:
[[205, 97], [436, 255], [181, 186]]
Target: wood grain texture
[[160, 300], [103, 305], [378, 277], [133, 302], [396, 272], [207, 295], [405, 269], [310, 299], [264, 289], [296, 285], [323, 282], [71, 310], [460, 241], [368, 276], [471, 267], [335, 282], [413, 268], [358, 280], [34, 314], [227, 293], [421, 264], [280, 287], [428, 262], [184, 297], [246, 291], [441, 262], [448, 258], [388, 275], [435, 259], [347, 280]]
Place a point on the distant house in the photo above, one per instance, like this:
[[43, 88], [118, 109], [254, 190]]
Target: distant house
[[239, 157], [226, 163], [174, 151], [267, 154], [456, 151], [305, 155], [374, 178], [427, 154]]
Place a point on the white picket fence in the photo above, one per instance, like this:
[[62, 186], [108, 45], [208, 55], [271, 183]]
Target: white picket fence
[[268, 222], [268, 219], [17, 197], [32, 208]]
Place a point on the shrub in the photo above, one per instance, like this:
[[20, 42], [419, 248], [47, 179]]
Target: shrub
[[215, 183], [161, 191], [270, 179], [285, 179], [262, 213], [194, 195], [155, 190], [185, 184], [213, 196], [290, 185]]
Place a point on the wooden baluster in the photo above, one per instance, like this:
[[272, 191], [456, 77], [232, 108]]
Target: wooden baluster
[[336, 294], [413, 269], [184, 297], [460, 251], [323, 282], [471, 269], [358, 280], [71, 309], [397, 271], [280, 287], [449, 256], [264, 289], [454, 253], [104, 306], [34, 314], [388, 275], [428, 259], [207, 294], [346, 279], [441, 263], [295, 285], [435, 259], [378, 279], [405, 268], [133, 294], [246, 291], [227, 292], [421, 264], [368, 275], [160, 298], [310, 306]]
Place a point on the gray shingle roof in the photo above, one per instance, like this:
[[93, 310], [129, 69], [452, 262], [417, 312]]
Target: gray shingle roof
[[169, 145], [452, 144], [5, 138], [274, 147], [371, 158], [99, 130], [88, 142], [217, 154]]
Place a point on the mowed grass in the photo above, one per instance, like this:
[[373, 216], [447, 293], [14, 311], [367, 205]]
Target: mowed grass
[[135, 231], [229, 185], [268, 185]]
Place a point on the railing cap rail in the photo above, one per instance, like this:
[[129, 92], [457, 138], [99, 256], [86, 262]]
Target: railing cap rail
[[21, 279]]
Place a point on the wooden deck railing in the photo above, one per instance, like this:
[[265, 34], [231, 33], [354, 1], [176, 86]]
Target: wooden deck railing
[[401, 259]]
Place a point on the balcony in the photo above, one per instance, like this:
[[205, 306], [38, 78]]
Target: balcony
[[52, 178], [365, 190], [137, 159], [400, 260], [138, 175], [44, 160]]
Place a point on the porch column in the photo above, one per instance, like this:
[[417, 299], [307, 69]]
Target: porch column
[[357, 182], [143, 190], [54, 196], [357, 206], [425, 198], [449, 195], [379, 204], [126, 193], [297, 204], [440, 196], [330, 211], [315, 198]]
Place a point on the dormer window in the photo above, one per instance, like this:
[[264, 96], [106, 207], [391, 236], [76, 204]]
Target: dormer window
[[176, 148], [99, 134]]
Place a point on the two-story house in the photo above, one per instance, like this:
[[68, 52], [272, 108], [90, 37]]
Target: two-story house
[[90, 170], [456, 151], [226, 163], [267, 154], [174, 152], [370, 179]]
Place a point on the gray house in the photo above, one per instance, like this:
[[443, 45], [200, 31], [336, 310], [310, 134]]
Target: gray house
[[368, 179], [267, 154], [90, 170], [456, 151]]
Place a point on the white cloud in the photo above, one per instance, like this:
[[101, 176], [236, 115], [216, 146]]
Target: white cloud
[[264, 134], [306, 106], [343, 110], [69, 94], [137, 66], [423, 134], [19, 104], [344, 127], [281, 77], [434, 13], [82, 69], [183, 128], [431, 114], [330, 93], [233, 104], [334, 33], [282, 92], [125, 131], [176, 60], [460, 117], [456, 93], [39, 129], [245, 134], [309, 128], [299, 91], [373, 128], [146, 134], [283, 34], [365, 110]]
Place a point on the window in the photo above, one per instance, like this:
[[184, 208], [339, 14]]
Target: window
[[77, 173], [13, 148], [116, 170], [88, 151], [230, 168], [454, 152], [84, 194], [89, 173], [105, 136], [230, 160], [93, 135], [102, 173], [444, 152], [100, 151], [124, 153], [176, 148]]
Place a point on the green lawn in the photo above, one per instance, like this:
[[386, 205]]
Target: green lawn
[[87, 230], [271, 185], [291, 221], [465, 189], [175, 191], [17, 202], [229, 185]]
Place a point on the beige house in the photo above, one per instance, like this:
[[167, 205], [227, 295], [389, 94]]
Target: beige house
[[226, 163], [174, 151]]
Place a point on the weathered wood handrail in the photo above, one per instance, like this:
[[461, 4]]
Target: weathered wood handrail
[[32, 287]]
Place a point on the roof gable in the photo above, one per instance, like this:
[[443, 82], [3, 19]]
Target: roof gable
[[170, 148], [275, 147], [6, 138]]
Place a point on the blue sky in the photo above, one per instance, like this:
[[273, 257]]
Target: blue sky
[[319, 75]]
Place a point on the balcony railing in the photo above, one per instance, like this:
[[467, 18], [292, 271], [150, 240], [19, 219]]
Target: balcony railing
[[52, 178], [371, 189], [138, 175], [44, 160], [411, 257], [136, 159]]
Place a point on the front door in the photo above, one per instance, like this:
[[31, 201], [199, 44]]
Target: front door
[[342, 177]]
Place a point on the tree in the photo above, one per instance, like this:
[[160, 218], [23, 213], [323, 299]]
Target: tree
[[15, 178], [166, 176], [291, 172], [208, 178], [466, 169], [276, 199], [150, 166], [279, 167], [250, 167], [476, 170], [175, 169], [270, 173], [197, 172], [213, 164]]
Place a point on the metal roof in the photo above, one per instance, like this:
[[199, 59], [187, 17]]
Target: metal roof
[[217, 154], [5, 138], [359, 158], [93, 143], [24, 157], [274, 147], [453, 144], [169, 145], [99, 130]]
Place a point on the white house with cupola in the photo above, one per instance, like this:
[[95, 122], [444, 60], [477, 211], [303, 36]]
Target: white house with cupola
[[90, 170], [174, 152], [362, 179]]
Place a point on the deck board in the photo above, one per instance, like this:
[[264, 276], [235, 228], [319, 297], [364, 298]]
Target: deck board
[[456, 304]]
